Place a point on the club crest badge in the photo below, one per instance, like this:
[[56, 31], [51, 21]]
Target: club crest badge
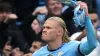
[[60, 53]]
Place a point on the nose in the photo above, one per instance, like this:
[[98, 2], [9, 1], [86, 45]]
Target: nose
[[44, 30], [31, 49], [56, 5]]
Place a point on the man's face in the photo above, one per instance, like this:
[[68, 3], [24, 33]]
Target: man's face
[[54, 7], [94, 18], [36, 45], [3, 16], [50, 30]]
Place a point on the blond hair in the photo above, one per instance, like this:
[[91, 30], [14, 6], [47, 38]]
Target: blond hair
[[61, 22]]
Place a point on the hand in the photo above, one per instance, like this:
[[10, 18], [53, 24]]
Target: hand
[[7, 49], [40, 10], [16, 52], [17, 49], [83, 5], [10, 16]]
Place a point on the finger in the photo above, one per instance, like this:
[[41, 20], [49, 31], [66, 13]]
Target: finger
[[7, 43], [17, 49]]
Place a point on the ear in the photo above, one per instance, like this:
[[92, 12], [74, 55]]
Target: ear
[[60, 32]]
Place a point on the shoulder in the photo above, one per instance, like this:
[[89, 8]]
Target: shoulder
[[38, 52], [72, 44], [70, 47]]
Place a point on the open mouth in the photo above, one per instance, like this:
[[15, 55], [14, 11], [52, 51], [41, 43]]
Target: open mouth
[[56, 9]]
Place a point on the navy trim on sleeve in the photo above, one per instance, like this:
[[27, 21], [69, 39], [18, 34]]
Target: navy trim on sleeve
[[80, 51]]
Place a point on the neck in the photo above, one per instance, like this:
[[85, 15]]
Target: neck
[[54, 44]]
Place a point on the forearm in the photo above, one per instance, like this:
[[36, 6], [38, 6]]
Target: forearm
[[91, 42]]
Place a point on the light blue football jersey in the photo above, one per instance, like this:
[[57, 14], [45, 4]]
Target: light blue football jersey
[[67, 49]]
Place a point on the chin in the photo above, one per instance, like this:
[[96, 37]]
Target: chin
[[44, 39], [57, 14]]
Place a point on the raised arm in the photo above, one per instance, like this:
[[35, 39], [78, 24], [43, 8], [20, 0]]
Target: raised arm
[[86, 47]]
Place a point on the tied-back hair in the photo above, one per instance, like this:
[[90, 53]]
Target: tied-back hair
[[61, 22]]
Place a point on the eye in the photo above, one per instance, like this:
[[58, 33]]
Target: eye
[[48, 27], [35, 47], [94, 21], [58, 2], [52, 4]]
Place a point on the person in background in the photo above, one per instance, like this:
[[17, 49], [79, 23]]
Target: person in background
[[31, 29], [54, 8], [16, 52], [36, 45], [7, 49], [5, 16], [36, 26]]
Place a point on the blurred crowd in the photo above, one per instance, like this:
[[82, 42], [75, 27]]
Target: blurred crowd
[[21, 24]]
